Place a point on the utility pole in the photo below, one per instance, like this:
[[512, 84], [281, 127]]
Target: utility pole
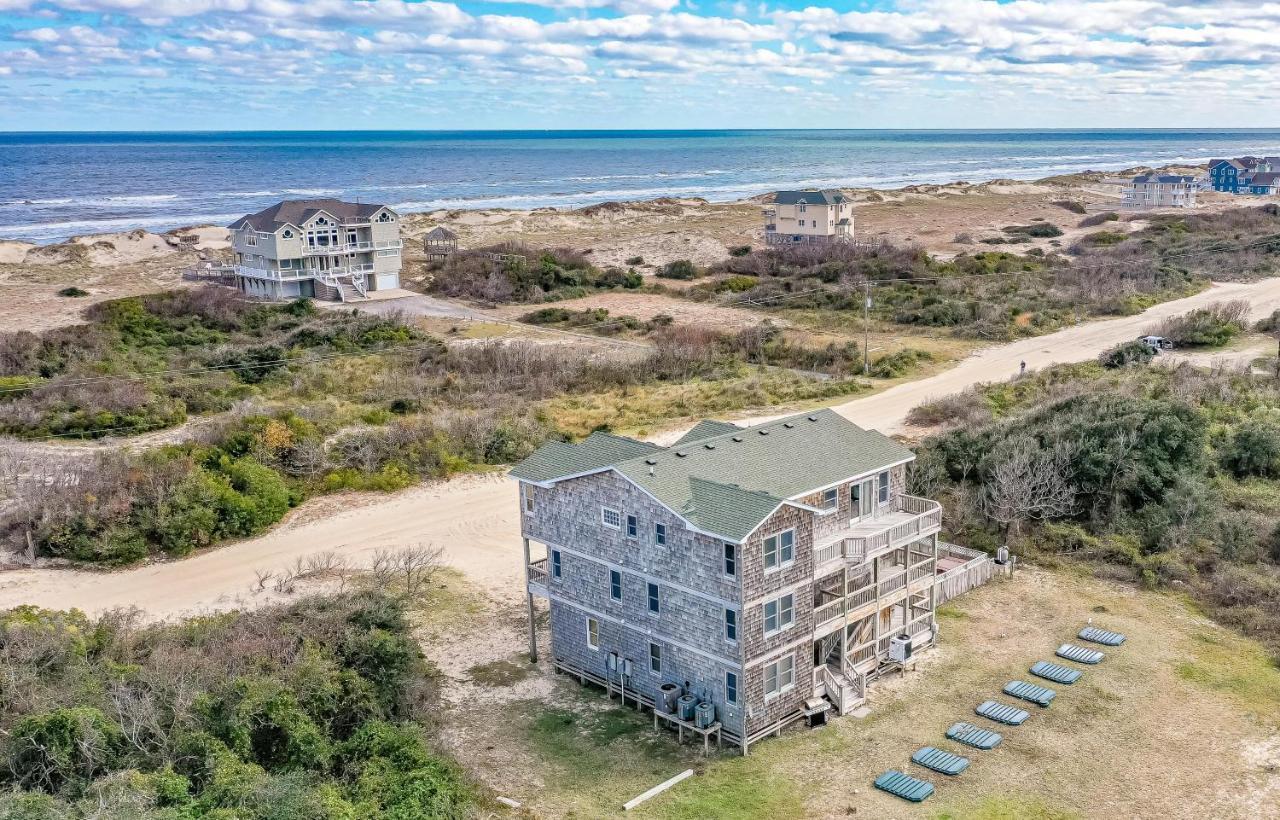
[[866, 328]]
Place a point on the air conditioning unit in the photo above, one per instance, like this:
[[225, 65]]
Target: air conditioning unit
[[900, 648]]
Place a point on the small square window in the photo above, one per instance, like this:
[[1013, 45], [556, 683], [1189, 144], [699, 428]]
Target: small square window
[[830, 498], [611, 518], [593, 633], [660, 534], [731, 624], [731, 687], [633, 526], [655, 659], [615, 585], [653, 598], [555, 563]]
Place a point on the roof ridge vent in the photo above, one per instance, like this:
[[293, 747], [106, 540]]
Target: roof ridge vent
[[737, 438], [764, 431], [813, 418], [788, 425], [709, 446], [681, 454], [651, 461]]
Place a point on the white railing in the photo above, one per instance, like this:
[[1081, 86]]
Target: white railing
[[351, 247], [926, 518], [835, 691], [828, 612], [891, 584]]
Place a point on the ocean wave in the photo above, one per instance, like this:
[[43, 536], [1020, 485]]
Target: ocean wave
[[44, 232]]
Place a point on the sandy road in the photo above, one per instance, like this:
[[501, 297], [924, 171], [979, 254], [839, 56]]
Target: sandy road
[[475, 520]]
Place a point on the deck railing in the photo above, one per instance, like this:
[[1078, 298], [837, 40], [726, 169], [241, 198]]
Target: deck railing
[[538, 571], [974, 572]]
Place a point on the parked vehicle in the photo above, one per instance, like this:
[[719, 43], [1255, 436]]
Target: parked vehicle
[[1156, 343]]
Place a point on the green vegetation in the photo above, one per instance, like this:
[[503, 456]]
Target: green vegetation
[[1123, 355], [1099, 219], [315, 710], [518, 273], [73, 291], [502, 672], [1168, 476], [209, 348], [1036, 230], [679, 269], [898, 364], [1072, 205], [1212, 326]]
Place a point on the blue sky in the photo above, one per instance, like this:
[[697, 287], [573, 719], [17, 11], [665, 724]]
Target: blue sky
[[322, 64]]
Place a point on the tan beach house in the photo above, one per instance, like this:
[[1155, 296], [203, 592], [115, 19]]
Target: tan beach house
[[321, 248], [809, 216], [1148, 191], [769, 573]]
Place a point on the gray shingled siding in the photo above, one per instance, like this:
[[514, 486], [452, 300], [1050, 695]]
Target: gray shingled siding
[[701, 675], [689, 625], [827, 526]]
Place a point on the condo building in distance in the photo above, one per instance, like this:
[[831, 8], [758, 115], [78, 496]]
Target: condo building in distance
[[769, 572], [321, 248]]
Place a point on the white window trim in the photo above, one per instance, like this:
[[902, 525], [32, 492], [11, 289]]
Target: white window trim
[[556, 560], [781, 565], [657, 673], [782, 627], [627, 529], [737, 688], [666, 537], [605, 521], [619, 595], [594, 647], [734, 559], [777, 675], [526, 490], [652, 595], [886, 490]]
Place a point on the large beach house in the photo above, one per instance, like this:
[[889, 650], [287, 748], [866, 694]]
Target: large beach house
[[1237, 176], [322, 248], [1148, 191], [769, 572], [797, 217]]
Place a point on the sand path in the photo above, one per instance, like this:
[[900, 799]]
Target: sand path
[[474, 518]]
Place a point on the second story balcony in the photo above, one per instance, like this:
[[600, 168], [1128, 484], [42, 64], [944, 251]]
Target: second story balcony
[[905, 519], [351, 247]]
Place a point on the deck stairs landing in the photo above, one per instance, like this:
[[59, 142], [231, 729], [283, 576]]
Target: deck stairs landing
[[844, 693]]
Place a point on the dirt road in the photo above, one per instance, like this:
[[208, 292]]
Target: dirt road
[[474, 519]]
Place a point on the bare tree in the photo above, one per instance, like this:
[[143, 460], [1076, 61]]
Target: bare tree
[[1028, 483], [410, 568]]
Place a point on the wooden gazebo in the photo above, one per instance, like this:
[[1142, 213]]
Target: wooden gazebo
[[439, 243]]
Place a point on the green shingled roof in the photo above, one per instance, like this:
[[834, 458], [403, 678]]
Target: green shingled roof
[[556, 459], [707, 428], [728, 482]]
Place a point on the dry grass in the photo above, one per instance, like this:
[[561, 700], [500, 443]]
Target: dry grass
[[1182, 721]]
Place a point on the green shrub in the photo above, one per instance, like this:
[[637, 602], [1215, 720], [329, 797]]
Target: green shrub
[[73, 291], [1105, 239], [1099, 219], [740, 250], [64, 748], [679, 269], [1211, 326], [899, 363], [1254, 449], [1128, 353], [736, 284], [1039, 230], [1072, 205], [635, 260]]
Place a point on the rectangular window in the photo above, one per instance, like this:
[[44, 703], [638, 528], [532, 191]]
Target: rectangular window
[[593, 633], [731, 624], [615, 585], [660, 534], [779, 614], [830, 498], [528, 498], [779, 676], [653, 597], [555, 563], [730, 560], [884, 487], [780, 549], [611, 518], [633, 526], [731, 687], [655, 659]]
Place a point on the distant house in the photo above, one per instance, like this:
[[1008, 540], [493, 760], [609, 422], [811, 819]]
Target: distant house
[[1266, 183], [322, 248], [809, 216], [1233, 176], [1160, 191]]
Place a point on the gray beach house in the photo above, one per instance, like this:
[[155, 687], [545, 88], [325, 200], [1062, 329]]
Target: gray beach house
[[321, 248], [771, 571]]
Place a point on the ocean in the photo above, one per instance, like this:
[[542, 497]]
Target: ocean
[[53, 186]]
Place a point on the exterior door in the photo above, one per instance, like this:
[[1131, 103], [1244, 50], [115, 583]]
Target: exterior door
[[861, 501]]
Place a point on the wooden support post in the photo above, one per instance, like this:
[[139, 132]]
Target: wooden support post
[[533, 630]]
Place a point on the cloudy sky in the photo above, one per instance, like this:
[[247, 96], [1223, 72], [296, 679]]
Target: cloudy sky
[[290, 64]]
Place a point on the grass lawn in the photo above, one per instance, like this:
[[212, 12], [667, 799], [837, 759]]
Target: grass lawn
[[1181, 721]]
